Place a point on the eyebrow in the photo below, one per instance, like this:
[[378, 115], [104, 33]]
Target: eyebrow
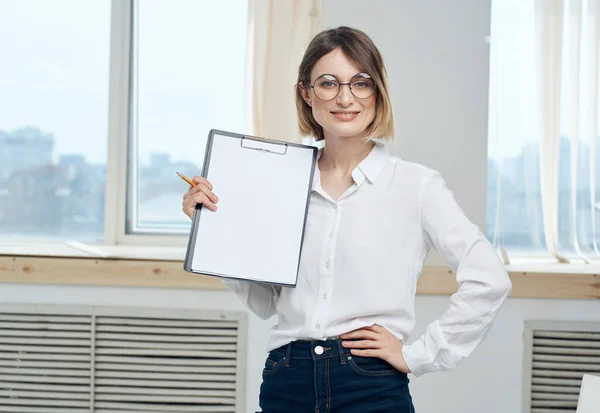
[[337, 77]]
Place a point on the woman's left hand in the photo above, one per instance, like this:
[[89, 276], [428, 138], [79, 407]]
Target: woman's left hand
[[376, 342]]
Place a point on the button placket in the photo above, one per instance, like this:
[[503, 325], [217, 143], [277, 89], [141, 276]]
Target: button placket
[[331, 239], [322, 304], [321, 307]]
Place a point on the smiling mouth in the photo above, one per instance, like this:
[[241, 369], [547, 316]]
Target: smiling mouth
[[345, 115]]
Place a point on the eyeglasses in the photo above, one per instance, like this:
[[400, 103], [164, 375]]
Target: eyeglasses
[[327, 87]]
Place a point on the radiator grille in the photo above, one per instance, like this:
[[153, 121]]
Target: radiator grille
[[556, 356], [108, 360]]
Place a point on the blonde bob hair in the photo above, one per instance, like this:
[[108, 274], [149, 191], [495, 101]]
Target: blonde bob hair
[[359, 48]]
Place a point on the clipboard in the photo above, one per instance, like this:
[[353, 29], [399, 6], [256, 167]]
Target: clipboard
[[264, 189]]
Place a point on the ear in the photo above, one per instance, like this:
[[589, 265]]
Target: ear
[[305, 94]]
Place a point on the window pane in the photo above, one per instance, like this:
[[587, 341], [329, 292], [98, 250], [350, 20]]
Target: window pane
[[189, 78], [514, 209], [514, 202], [53, 118]]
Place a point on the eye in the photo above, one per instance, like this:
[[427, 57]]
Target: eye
[[327, 84], [362, 84]]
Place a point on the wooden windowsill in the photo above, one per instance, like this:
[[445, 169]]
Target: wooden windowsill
[[170, 274]]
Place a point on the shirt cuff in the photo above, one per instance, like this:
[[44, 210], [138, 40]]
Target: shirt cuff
[[420, 355], [417, 359]]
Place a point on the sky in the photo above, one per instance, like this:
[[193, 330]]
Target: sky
[[512, 62], [55, 73]]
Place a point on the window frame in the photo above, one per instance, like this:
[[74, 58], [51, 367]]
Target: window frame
[[121, 166]]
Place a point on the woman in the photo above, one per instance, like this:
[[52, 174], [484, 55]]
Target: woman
[[339, 345]]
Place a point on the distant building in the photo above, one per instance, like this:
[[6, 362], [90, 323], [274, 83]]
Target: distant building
[[24, 148], [71, 164], [70, 160]]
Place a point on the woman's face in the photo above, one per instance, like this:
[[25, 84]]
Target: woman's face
[[345, 116]]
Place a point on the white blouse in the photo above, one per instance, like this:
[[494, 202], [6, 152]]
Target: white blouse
[[361, 258]]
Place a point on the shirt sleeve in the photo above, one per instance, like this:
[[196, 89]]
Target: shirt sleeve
[[483, 282], [260, 298]]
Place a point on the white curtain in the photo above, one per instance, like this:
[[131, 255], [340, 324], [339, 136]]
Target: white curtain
[[548, 31], [593, 45], [582, 89], [544, 80], [278, 34]]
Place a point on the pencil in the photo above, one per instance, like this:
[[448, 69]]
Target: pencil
[[186, 179]]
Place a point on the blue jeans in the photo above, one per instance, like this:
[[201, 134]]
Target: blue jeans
[[323, 377]]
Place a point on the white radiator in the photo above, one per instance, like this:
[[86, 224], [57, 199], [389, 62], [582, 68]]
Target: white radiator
[[63, 359], [556, 355]]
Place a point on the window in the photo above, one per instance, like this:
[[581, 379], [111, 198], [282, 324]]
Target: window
[[53, 118], [188, 77], [102, 102], [542, 173]]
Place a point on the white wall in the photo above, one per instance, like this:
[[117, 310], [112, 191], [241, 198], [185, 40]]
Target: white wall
[[489, 381], [437, 62], [438, 66]]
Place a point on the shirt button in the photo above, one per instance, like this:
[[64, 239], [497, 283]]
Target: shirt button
[[319, 350], [324, 296], [317, 326], [327, 264], [335, 206]]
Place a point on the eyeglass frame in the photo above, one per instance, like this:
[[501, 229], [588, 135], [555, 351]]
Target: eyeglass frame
[[342, 84]]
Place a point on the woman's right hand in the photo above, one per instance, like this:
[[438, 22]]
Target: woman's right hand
[[200, 194]]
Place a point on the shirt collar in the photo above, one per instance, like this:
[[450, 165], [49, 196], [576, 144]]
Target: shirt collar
[[370, 167]]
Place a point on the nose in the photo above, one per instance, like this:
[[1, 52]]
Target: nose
[[345, 97]]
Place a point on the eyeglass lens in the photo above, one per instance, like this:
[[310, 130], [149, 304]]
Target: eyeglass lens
[[327, 87]]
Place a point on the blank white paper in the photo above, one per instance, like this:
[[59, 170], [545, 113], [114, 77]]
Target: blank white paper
[[256, 232]]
